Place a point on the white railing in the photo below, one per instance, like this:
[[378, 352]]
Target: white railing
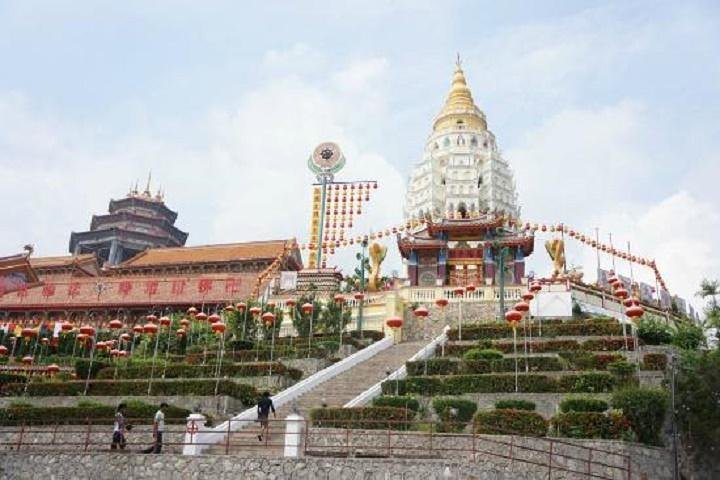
[[481, 294], [204, 438], [426, 352]]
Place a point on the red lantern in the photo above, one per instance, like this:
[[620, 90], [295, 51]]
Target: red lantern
[[359, 296], [81, 337], [421, 312], [28, 333], [522, 307], [527, 296], [165, 321], [52, 369], [3, 350], [394, 322], [45, 340], [125, 337], [621, 293], [123, 353], [307, 308], [27, 360], [114, 352], [630, 301], [66, 326], [218, 327], [185, 322], [202, 316], [613, 281], [115, 324], [535, 287], [636, 311], [270, 304], [291, 302], [150, 328], [138, 329], [513, 317], [151, 318], [255, 311], [459, 291], [268, 318], [87, 330], [470, 288], [180, 332], [214, 318], [192, 311], [441, 302], [241, 306], [339, 299]]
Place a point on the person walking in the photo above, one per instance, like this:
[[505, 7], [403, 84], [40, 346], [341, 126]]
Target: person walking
[[119, 427], [265, 405], [158, 430]]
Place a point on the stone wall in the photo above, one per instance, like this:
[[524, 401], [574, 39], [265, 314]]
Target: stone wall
[[101, 466], [573, 455]]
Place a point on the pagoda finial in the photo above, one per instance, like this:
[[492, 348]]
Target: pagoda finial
[[135, 190], [459, 108], [458, 62], [147, 187]]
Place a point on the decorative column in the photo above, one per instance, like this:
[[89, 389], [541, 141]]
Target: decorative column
[[489, 266], [442, 266], [413, 268], [519, 265]]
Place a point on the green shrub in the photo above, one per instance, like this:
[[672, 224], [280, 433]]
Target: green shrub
[[82, 365], [454, 413], [625, 373], [12, 378], [245, 393], [578, 424], [654, 332], [589, 360], [513, 404], [483, 354], [510, 422], [360, 417], [583, 404], [435, 366], [586, 383], [654, 361], [535, 364], [401, 401], [608, 344], [645, 408], [552, 328], [688, 336]]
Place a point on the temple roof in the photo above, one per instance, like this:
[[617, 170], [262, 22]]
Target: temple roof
[[61, 260], [460, 107], [229, 252], [16, 273]]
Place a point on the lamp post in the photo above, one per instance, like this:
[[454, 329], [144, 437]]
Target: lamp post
[[459, 292], [501, 252], [307, 309], [340, 301], [513, 317], [268, 319]]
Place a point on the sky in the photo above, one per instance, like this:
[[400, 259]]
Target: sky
[[606, 111]]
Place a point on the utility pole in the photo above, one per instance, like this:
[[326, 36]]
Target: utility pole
[[362, 288]]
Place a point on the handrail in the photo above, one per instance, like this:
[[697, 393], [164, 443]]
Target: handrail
[[245, 418], [426, 352]]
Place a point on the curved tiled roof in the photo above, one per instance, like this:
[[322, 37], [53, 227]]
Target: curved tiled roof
[[208, 253]]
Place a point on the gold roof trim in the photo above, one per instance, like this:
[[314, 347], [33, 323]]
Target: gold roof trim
[[460, 108]]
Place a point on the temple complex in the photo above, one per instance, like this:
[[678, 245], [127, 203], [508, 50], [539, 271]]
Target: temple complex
[[135, 223], [465, 192]]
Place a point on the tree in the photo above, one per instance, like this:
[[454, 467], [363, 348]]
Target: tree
[[688, 336], [711, 289]]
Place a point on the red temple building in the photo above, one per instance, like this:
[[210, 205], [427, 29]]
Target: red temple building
[[74, 287], [462, 251]]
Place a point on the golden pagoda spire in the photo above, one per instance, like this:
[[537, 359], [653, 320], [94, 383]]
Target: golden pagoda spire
[[147, 186], [460, 108]]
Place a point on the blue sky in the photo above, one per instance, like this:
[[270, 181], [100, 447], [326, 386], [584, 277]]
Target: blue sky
[[607, 112]]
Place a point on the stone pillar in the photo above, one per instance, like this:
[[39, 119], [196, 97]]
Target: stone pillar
[[192, 445], [294, 425], [112, 256]]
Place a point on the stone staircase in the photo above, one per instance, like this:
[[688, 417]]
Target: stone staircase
[[335, 392]]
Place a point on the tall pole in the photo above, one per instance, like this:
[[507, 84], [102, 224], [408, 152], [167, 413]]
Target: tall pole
[[362, 289], [673, 363], [502, 251], [611, 251], [597, 250]]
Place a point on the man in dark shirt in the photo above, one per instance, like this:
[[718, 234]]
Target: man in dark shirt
[[263, 408], [118, 438]]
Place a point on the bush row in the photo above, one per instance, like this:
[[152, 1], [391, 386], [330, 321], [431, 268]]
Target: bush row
[[654, 361], [202, 371], [453, 413], [607, 344], [261, 355], [510, 422], [583, 404], [533, 383], [575, 424], [245, 393], [599, 326], [513, 404], [401, 401], [136, 412], [449, 366], [360, 417]]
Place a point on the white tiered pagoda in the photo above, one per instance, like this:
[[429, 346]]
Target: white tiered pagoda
[[461, 169]]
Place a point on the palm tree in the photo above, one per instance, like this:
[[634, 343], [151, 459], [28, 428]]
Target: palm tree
[[709, 288]]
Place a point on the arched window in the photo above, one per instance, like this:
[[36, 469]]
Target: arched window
[[460, 140], [446, 142], [473, 141], [462, 209]]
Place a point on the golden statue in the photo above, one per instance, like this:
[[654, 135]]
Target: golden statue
[[377, 254], [556, 250]]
